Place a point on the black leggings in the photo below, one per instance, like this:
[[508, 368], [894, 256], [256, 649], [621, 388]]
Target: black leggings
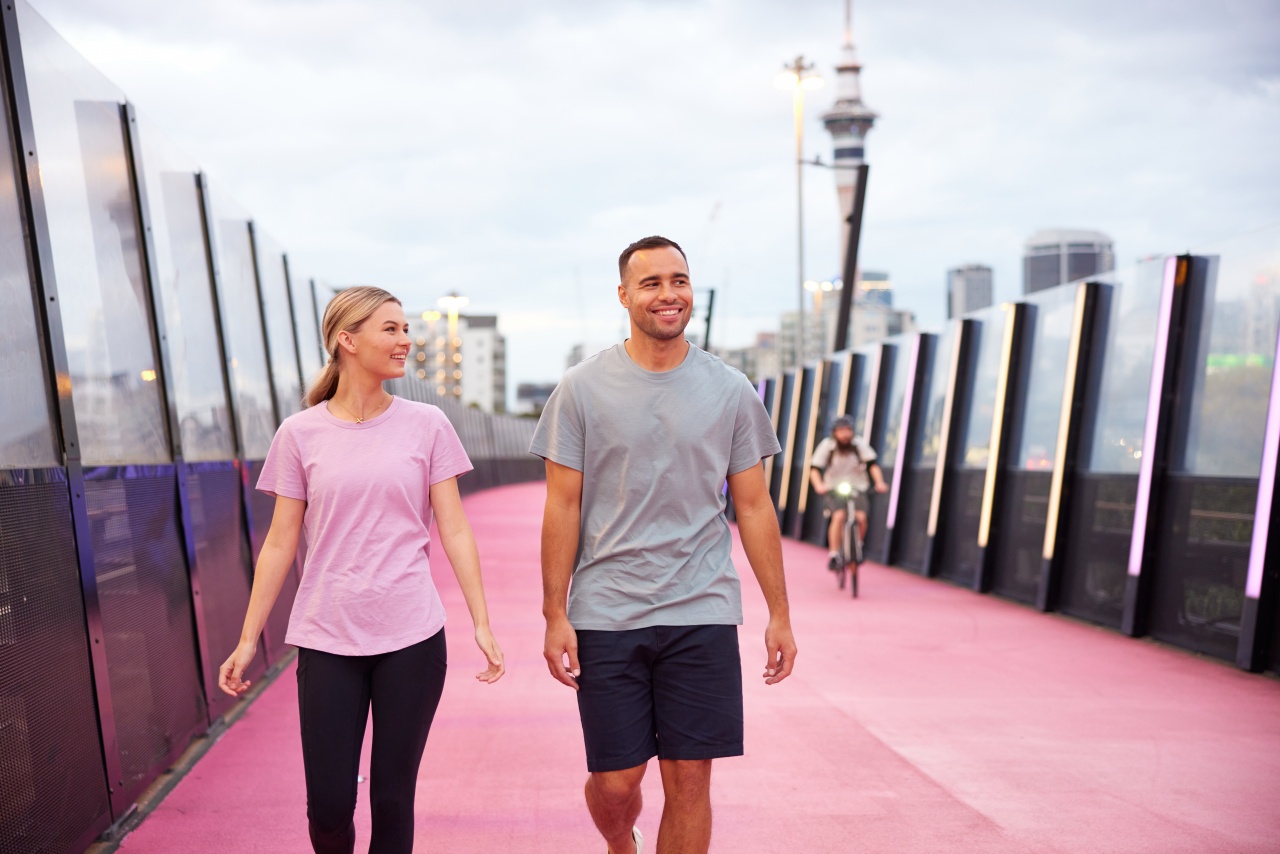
[[334, 695]]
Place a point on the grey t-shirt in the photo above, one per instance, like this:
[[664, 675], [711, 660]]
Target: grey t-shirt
[[654, 450]]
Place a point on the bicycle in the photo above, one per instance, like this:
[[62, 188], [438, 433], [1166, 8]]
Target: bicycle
[[850, 556]]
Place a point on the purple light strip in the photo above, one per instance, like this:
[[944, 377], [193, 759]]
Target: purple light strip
[[900, 457], [1146, 470], [1266, 486]]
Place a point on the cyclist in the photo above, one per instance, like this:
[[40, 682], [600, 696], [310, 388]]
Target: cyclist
[[843, 457]]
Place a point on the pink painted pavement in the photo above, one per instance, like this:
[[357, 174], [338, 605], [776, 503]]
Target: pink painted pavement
[[921, 718]]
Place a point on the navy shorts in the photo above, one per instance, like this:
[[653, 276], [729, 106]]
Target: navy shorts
[[674, 692]]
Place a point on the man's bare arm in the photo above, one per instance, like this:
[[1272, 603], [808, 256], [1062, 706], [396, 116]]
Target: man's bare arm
[[561, 524], [762, 541]]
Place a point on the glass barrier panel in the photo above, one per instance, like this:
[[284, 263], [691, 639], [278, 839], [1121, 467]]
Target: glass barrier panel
[[186, 293], [280, 341], [97, 253], [304, 319], [988, 343], [926, 455], [26, 427], [1127, 355], [1101, 509], [1050, 319], [1209, 496], [1233, 372], [242, 329], [897, 392], [961, 500], [861, 395]]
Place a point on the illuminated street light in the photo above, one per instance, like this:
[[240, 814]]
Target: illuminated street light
[[452, 303], [799, 76]]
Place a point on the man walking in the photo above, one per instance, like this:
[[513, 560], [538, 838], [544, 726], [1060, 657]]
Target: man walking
[[639, 441]]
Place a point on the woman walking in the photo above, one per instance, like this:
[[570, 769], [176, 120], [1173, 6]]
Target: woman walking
[[362, 472]]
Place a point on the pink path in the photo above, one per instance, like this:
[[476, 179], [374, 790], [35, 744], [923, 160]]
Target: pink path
[[921, 718]]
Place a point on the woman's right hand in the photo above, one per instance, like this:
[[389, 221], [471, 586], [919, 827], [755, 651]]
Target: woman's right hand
[[230, 675]]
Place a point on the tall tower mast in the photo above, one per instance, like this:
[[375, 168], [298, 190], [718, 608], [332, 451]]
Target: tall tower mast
[[848, 121]]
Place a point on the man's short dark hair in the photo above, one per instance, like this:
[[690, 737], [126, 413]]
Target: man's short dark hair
[[653, 242]]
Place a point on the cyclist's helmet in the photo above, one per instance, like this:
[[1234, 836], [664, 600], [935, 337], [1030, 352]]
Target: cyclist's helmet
[[842, 421]]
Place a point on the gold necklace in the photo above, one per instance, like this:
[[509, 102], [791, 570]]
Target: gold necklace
[[359, 418]]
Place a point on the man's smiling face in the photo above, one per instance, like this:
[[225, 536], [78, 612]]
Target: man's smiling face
[[657, 294]]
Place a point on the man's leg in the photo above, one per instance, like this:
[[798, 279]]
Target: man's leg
[[860, 517], [835, 531], [698, 702], [615, 702], [614, 800], [686, 816]]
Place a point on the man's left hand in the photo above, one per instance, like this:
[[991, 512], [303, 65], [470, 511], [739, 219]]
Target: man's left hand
[[780, 649]]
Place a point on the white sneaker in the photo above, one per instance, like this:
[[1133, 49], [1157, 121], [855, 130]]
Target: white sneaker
[[637, 838]]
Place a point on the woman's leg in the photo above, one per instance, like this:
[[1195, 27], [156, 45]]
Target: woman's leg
[[333, 704], [406, 689]]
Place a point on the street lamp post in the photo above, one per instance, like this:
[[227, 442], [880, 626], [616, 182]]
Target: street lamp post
[[799, 76]]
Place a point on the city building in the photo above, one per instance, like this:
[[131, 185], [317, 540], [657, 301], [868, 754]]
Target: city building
[[847, 121], [484, 363], [873, 317], [1054, 256], [532, 397], [969, 287], [758, 361], [469, 366]]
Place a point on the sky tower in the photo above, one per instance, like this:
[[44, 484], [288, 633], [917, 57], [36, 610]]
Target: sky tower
[[848, 121]]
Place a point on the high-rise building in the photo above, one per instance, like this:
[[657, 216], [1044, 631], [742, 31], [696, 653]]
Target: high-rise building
[[471, 367], [1055, 256], [969, 287], [484, 363], [847, 121]]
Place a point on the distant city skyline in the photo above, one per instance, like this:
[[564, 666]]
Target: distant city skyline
[[1055, 256], [509, 154]]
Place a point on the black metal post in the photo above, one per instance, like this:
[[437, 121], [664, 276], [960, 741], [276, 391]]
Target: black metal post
[[1079, 385], [848, 292], [262, 319], [711, 304], [1179, 328]]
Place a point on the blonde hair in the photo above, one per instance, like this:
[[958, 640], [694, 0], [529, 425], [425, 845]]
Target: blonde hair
[[346, 312]]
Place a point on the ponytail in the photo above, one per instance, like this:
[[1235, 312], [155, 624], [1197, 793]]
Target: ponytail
[[346, 312], [325, 385]]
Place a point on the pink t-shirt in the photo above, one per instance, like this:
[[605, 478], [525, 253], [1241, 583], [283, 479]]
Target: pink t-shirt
[[366, 582]]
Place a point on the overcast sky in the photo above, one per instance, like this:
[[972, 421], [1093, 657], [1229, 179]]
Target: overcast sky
[[510, 150]]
